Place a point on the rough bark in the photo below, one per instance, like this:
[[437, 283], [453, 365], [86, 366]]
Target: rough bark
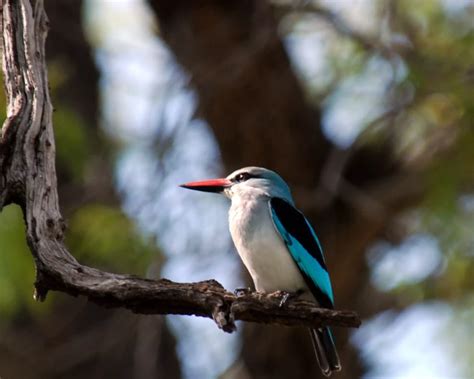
[[28, 178]]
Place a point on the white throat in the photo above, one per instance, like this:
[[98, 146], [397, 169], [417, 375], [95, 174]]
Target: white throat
[[259, 245]]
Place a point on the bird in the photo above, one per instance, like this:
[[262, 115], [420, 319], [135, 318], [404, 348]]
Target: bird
[[277, 245]]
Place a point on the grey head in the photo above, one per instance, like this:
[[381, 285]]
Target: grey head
[[257, 181], [246, 183]]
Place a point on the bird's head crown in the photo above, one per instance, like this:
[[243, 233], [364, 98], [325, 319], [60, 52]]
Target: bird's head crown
[[257, 180]]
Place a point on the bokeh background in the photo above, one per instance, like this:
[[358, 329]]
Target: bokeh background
[[365, 107]]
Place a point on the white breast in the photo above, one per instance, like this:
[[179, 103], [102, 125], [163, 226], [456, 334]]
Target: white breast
[[261, 248]]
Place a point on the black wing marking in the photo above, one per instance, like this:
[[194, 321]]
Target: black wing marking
[[305, 249], [295, 223]]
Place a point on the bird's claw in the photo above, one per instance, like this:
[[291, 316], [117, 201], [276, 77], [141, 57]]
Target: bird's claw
[[285, 296], [284, 299], [241, 291]]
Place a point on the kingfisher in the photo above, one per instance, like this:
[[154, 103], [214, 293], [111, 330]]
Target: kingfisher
[[277, 245]]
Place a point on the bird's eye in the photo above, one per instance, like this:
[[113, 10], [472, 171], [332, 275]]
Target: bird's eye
[[242, 177]]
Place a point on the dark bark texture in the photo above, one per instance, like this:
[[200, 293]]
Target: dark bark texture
[[28, 178]]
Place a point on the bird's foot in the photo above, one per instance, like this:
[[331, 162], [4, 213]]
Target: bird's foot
[[285, 296], [241, 291]]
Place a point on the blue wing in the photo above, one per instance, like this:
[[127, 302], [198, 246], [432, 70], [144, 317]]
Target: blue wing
[[304, 247]]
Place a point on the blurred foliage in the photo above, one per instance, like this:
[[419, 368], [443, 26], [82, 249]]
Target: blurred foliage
[[103, 236], [461, 330], [3, 102], [72, 149], [70, 131], [98, 235], [17, 272], [438, 138], [428, 114]]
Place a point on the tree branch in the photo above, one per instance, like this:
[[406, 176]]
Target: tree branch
[[28, 178]]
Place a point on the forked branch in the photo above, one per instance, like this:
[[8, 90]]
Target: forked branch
[[28, 178]]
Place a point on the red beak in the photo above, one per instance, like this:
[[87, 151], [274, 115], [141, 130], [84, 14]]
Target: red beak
[[211, 185]]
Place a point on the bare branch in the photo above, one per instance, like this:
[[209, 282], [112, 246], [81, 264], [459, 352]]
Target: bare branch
[[28, 178]]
